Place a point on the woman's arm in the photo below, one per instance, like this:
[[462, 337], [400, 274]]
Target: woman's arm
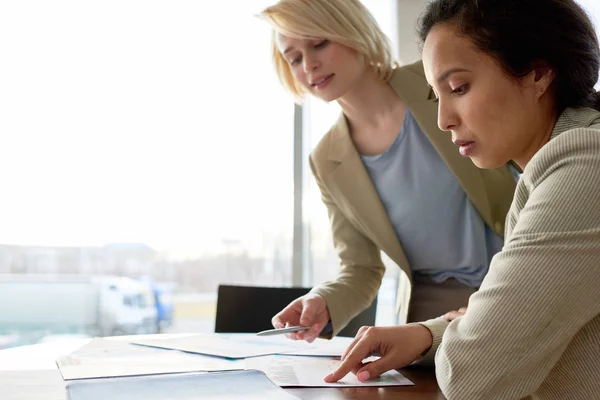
[[361, 272], [542, 289]]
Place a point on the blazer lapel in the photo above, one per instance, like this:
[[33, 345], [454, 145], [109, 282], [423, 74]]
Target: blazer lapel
[[351, 185]]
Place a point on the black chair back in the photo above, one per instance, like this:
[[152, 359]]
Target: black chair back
[[249, 309]]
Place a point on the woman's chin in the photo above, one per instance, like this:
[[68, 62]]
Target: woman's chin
[[486, 162], [326, 95], [325, 98]]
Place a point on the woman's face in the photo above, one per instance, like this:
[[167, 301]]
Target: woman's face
[[493, 116], [326, 69]]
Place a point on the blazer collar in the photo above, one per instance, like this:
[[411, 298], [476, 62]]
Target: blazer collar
[[572, 118], [341, 143], [408, 84]]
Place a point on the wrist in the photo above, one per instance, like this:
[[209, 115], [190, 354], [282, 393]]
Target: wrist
[[424, 338], [327, 329]]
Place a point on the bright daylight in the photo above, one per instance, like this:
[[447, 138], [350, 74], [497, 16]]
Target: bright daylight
[[168, 209], [149, 146]]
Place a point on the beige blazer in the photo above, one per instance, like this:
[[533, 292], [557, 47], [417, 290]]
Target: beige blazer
[[360, 226], [533, 328]]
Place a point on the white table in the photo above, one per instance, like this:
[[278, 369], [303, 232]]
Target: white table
[[30, 373]]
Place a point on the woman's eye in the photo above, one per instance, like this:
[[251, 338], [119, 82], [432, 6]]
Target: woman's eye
[[295, 61], [461, 90], [321, 44]]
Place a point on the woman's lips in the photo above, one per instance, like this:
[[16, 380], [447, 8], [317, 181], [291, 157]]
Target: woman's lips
[[465, 147], [323, 82]]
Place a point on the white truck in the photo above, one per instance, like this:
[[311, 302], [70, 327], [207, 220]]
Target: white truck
[[34, 306]]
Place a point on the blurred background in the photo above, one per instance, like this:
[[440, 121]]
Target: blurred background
[[147, 154]]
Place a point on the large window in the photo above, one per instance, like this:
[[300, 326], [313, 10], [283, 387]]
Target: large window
[[140, 139], [318, 118]]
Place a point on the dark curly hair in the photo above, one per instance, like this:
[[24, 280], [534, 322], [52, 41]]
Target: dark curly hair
[[521, 33]]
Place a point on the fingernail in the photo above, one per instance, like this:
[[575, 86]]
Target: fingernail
[[363, 376], [328, 377]]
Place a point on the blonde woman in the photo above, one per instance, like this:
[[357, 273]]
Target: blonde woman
[[391, 180]]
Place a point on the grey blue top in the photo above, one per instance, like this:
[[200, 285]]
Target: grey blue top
[[439, 229]]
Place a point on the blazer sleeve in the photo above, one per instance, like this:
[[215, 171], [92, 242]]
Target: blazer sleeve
[[542, 288], [361, 268]]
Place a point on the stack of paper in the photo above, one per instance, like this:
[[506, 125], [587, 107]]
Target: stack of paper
[[103, 358], [287, 363]]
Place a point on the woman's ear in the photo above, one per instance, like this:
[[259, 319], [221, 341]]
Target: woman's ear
[[543, 77]]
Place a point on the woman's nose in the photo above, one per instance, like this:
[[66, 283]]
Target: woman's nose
[[310, 63], [446, 117]]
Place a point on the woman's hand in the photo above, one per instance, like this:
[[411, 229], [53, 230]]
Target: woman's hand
[[452, 315], [398, 346], [308, 310]]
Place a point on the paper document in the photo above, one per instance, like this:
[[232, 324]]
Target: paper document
[[334, 347], [288, 371], [103, 358], [226, 345], [233, 385]]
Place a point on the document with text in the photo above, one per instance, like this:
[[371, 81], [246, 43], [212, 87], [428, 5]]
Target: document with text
[[300, 371]]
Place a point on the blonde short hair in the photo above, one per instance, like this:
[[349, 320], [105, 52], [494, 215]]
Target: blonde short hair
[[344, 21]]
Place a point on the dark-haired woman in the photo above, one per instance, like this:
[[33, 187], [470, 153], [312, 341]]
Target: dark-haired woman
[[515, 81]]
